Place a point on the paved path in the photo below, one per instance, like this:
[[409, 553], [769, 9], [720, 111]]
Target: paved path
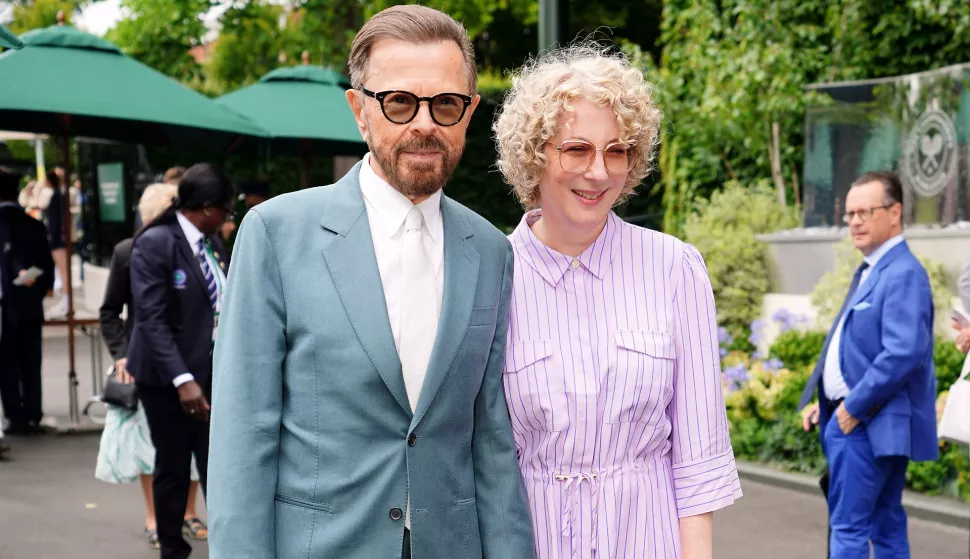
[[51, 507]]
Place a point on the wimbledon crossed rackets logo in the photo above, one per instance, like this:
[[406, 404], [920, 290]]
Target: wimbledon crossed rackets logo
[[930, 155]]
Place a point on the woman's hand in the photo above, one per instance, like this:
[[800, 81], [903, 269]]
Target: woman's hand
[[121, 371], [963, 340]]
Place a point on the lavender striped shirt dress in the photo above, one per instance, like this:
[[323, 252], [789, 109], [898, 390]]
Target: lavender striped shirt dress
[[614, 388]]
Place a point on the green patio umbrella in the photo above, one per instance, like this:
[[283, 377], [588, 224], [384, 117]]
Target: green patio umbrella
[[68, 84], [302, 109], [8, 40], [75, 84]]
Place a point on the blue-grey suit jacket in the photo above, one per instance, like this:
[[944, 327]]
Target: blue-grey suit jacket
[[310, 449]]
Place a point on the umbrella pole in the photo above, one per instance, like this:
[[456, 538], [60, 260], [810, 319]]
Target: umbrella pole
[[74, 409], [305, 163]]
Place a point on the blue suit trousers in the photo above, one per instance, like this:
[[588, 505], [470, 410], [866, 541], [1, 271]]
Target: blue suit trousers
[[865, 497]]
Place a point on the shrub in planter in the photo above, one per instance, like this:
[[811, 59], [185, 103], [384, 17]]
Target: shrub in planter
[[761, 397], [798, 348], [949, 475], [802, 348], [949, 363], [723, 229], [788, 445]]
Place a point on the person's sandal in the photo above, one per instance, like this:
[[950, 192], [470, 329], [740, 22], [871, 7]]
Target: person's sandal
[[195, 529], [153, 539]]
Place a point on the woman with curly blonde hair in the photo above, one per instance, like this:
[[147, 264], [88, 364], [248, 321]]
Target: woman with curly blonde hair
[[612, 373]]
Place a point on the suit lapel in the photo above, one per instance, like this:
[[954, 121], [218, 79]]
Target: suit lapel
[[183, 246], [865, 289], [861, 292], [461, 262], [353, 267], [873, 278]]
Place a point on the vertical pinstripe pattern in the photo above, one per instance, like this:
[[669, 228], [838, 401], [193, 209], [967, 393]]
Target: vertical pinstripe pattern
[[210, 278], [614, 388]]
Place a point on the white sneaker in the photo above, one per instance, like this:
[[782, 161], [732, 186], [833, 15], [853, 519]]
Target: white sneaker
[[59, 310]]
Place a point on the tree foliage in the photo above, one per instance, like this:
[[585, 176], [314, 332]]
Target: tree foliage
[[729, 71], [731, 68], [38, 13], [161, 34], [248, 47]]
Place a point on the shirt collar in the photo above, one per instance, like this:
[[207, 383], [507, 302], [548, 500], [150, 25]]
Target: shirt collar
[[192, 233], [392, 207], [877, 254], [552, 265]]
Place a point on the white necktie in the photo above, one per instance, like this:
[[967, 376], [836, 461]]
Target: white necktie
[[419, 318]]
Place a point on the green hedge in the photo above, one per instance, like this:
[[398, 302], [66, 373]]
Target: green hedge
[[477, 182], [766, 426]]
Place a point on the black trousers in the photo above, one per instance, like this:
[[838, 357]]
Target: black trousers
[[176, 437], [20, 361], [406, 552], [823, 484]]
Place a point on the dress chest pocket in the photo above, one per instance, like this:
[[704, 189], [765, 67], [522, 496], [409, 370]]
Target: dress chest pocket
[[641, 368], [534, 387]]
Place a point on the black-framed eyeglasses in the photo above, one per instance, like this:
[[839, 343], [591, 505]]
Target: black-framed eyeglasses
[[228, 209], [864, 214], [577, 156], [400, 107]]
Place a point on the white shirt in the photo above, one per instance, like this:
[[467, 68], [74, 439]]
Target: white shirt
[[835, 385], [386, 211], [193, 236]]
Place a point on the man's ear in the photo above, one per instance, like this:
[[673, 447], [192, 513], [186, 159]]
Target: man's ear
[[356, 101], [897, 212]]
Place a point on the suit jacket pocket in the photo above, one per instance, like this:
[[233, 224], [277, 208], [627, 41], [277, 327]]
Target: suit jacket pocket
[[296, 521], [466, 529], [303, 503], [483, 316]]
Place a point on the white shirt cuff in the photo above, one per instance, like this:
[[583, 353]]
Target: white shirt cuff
[[182, 379]]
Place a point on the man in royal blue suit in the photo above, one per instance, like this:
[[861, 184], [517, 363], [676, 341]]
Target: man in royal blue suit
[[875, 378]]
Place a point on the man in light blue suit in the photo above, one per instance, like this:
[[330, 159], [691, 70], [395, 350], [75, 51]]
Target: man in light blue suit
[[358, 408], [876, 380]]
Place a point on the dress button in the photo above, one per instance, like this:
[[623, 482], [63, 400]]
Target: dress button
[[412, 439], [574, 264], [395, 514]]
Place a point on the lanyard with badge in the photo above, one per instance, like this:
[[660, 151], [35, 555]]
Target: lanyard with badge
[[211, 258]]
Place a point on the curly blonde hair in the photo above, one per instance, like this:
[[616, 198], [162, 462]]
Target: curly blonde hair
[[155, 200], [542, 91]]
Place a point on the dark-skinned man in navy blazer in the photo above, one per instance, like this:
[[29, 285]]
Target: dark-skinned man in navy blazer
[[178, 270]]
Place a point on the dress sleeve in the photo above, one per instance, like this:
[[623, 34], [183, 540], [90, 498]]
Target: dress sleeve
[[705, 476]]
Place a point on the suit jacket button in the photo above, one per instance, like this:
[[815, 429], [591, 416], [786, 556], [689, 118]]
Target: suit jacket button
[[412, 439], [395, 514]]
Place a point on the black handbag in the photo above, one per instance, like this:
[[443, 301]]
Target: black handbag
[[119, 394]]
